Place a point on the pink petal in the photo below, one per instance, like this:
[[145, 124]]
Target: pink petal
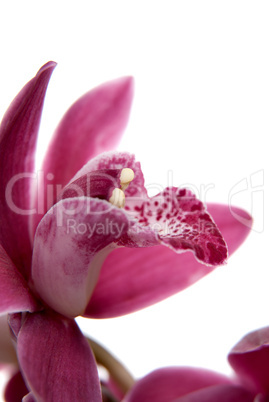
[[15, 294], [15, 388], [18, 134], [167, 384], [71, 243], [250, 359], [219, 393], [132, 279], [56, 359], [93, 124]]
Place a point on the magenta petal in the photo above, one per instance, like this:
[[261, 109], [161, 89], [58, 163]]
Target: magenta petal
[[56, 359], [219, 393], [15, 389], [132, 279], [71, 243], [167, 384], [15, 294], [93, 124], [250, 359], [18, 134]]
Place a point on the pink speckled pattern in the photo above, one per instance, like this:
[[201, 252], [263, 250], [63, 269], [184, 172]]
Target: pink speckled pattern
[[182, 223]]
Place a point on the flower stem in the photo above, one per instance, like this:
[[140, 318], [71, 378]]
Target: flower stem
[[118, 372]]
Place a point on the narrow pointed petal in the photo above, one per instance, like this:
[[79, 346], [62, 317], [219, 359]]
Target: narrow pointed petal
[[71, 243], [18, 135], [170, 383], [15, 389], [250, 359], [219, 393], [132, 279], [56, 359], [93, 124], [15, 294]]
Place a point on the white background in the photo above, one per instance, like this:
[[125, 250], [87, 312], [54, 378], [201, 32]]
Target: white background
[[200, 110]]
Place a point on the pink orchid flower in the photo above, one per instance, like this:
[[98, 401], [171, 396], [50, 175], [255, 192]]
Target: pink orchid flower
[[76, 250], [250, 360]]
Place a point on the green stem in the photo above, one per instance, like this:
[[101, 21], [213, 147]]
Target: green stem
[[118, 372]]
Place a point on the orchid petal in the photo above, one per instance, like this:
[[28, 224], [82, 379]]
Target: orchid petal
[[132, 279], [167, 384], [250, 359], [56, 359], [92, 125], [15, 389], [15, 294], [220, 393], [71, 243], [18, 134]]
